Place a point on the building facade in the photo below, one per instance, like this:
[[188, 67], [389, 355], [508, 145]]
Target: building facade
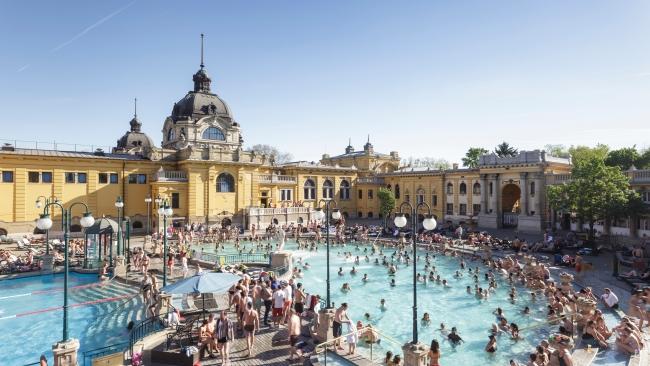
[[205, 174]]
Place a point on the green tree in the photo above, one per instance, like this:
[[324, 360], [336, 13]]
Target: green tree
[[644, 160], [595, 189], [557, 150], [579, 152], [386, 203], [623, 158], [472, 155], [504, 149], [279, 156]]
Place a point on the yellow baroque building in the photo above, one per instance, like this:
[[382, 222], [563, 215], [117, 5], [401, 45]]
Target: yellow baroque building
[[207, 177]]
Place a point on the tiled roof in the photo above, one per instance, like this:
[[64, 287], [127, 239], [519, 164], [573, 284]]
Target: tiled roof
[[70, 154]]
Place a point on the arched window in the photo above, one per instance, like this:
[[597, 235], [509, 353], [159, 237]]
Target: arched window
[[397, 191], [419, 196], [225, 183], [450, 188], [75, 228], [370, 215], [407, 196], [532, 189], [213, 133], [476, 189], [462, 188], [328, 190], [389, 187], [310, 190], [137, 224], [344, 193], [171, 134]]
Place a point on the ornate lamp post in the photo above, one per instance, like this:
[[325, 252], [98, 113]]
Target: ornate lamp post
[[429, 223], [45, 223], [47, 200], [319, 215], [119, 204], [326, 315], [148, 201], [165, 211]]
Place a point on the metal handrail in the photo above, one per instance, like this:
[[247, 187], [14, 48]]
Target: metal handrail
[[90, 355], [324, 346], [145, 328]]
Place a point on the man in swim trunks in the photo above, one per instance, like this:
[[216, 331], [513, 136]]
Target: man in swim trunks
[[340, 317], [251, 321]]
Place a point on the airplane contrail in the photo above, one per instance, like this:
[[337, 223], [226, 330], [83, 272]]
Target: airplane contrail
[[83, 32], [92, 26]]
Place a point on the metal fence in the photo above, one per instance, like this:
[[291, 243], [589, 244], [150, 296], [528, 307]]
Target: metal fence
[[146, 327], [226, 259], [54, 145]]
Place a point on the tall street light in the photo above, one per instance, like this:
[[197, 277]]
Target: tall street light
[[119, 204], [429, 223], [165, 211], [46, 200], [45, 223], [319, 215], [148, 201]]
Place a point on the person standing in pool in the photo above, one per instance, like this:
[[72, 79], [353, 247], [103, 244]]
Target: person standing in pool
[[340, 317], [434, 353], [454, 338]]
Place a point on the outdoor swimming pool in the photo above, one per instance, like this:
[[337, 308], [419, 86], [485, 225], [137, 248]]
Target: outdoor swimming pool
[[452, 306], [31, 318]]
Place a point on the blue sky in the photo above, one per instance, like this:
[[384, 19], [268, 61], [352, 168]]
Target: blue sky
[[425, 78]]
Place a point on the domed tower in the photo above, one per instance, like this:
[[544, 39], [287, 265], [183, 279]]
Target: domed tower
[[349, 149], [368, 148], [201, 118], [134, 141]]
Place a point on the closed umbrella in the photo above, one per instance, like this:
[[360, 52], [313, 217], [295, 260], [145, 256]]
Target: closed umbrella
[[210, 282]]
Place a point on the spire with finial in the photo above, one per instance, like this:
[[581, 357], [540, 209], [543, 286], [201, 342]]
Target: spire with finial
[[349, 149], [202, 65], [135, 122], [368, 146], [201, 78]]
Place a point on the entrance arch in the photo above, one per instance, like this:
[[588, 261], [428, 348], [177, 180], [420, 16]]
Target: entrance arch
[[510, 198], [226, 222]]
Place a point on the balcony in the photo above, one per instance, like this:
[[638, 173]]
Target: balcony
[[370, 180], [258, 211], [170, 176], [276, 179], [638, 176]]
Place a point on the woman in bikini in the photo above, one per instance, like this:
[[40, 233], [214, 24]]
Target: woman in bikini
[[434, 353]]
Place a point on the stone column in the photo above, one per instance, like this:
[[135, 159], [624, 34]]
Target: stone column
[[415, 354], [494, 179], [537, 200], [323, 331], [484, 193], [523, 198], [65, 353]]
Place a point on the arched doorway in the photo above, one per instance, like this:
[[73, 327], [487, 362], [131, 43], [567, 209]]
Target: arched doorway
[[510, 196], [226, 222]]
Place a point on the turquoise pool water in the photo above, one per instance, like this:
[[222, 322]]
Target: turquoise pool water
[[31, 320], [451, 306]]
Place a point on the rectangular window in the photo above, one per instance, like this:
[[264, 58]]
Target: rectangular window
[[82, 177], [142, 179], [102, 178], [285, 194], [407, 197], [176, 200], [133, 178], [450, 209], [360, 194], [33, 177], [645, 196], [7, 176], [463, 209], [46, 177], [435, 200], [69, 177], [476, 209], [113, 178], [370, 194]]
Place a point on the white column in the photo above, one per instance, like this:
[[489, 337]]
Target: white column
[[523, 199]]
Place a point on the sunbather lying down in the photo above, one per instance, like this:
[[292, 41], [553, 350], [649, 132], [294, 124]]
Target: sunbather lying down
[[633, 274]]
